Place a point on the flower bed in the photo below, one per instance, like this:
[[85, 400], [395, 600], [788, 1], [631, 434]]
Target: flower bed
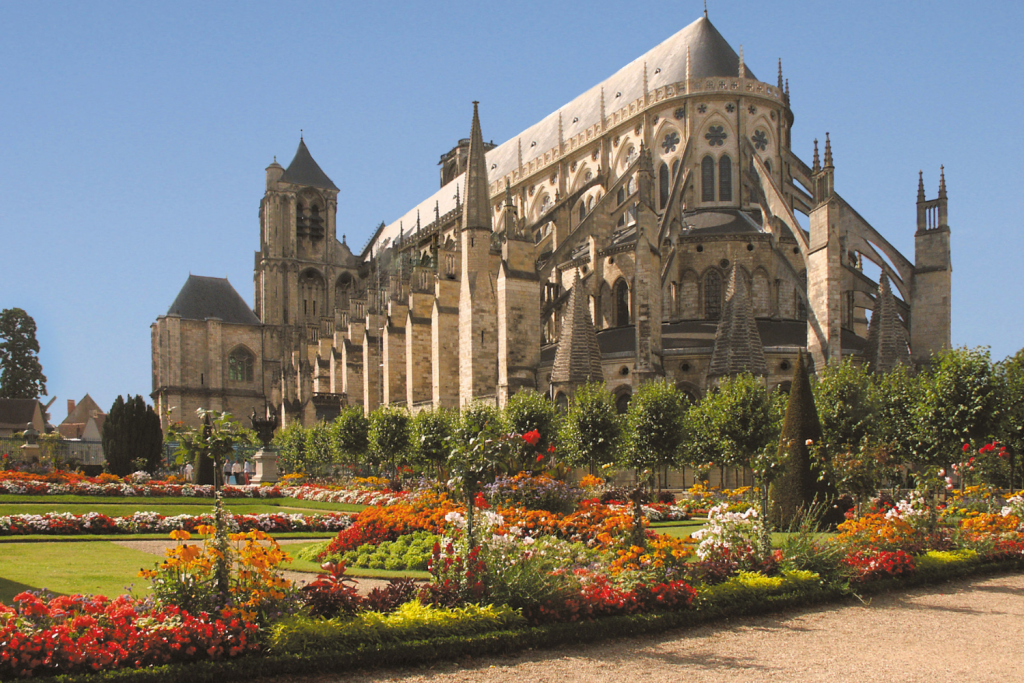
[[65, 523], [324, 494], [110, 486], [89, 634]]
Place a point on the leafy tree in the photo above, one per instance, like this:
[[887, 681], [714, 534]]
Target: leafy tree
[[290, 444], [894, 396], [842, 397], [796, 487], [654, 434], [479, 449], [1010, 429], [132, 438], [351, 434], [432, 433], [209, 445], [390, 437], [591, 431], [528, 411], [319, 451], [21, 374], [958, 403]]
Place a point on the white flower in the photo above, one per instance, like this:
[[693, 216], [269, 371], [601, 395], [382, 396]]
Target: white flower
[[809, 442]]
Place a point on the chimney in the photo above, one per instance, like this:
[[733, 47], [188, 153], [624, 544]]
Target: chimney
[[71, 406]]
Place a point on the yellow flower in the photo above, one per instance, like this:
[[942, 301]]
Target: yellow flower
[[180, 535]]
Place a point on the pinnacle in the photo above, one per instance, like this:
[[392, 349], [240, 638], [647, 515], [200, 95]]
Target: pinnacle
[[738, 346]]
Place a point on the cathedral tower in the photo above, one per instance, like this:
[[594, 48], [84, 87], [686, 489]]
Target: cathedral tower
[[930, 303]]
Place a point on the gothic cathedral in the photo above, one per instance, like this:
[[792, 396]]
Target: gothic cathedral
[[647, 229]]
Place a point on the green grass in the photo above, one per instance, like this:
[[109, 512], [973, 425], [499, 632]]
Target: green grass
[[125, 507], [99, 568]]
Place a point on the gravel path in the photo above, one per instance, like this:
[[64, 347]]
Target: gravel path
[[964, 631]]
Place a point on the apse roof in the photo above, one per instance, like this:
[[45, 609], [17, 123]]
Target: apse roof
[[211, 297], [305, 171], [710, 56]]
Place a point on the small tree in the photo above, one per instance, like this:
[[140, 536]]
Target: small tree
[[390, 438], [319, 450], [843, 401], [958, 404], [432, 434], [1010, 427], [591, 431], [21, 374], [132, 438], [795, 487], [894, 396], [528, 411], [479, 448], [290, 444], [654, 434], [351, 435]]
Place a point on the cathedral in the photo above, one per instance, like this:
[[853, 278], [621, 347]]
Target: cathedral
[[645, 230]]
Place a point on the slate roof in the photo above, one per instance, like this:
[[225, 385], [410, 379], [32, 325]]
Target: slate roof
[[212, 297], [305, 171], [17, 412], [710, 56], [721, 222]]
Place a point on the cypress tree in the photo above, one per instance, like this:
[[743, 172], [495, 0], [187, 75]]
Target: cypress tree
[[796, 486]]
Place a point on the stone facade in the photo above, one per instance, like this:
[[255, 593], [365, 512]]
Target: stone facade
[[651, 202]]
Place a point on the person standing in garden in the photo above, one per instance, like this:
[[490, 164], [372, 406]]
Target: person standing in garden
[[236, 473], [247, 471], [189, 471]]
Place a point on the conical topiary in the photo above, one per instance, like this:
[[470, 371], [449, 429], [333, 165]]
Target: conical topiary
[[796, 485]]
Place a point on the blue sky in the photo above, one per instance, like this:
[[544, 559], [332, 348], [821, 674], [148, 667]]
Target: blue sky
[[135, 135]]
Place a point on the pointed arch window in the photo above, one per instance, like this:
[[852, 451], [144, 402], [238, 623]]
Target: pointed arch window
[[583, 211], [707, 179], [240, 365], [621, 303], [725, 179], [631, 185], [663, 185], [712, 295], [621, 195]]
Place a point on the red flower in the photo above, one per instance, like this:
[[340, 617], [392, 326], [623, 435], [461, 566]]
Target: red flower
[[540, 457], [551, 448], [532, 437], [967, 447]]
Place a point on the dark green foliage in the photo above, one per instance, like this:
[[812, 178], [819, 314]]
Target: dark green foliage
[[894, 397], [21, 374], [390, 437], [132, 436], [654, 426], [591, 431], [958, 404], [842, 399], [1011, 424], [795, 488], [290, 444], [527, 411], [432, 433], [351, 434], [319, 451]]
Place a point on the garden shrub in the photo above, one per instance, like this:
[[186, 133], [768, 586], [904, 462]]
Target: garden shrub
[[533, 492], [411, 621], [408, 552]]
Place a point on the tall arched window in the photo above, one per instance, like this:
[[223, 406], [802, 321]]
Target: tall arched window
[[707, 179], [621, 303], [712, 295], [622, 402], [725, 179], [583, 211], [621, 195], [240, 365], [663, 185], [631, 185]]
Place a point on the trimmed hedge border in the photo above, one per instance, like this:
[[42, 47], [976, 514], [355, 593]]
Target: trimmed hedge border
[[504, 642]]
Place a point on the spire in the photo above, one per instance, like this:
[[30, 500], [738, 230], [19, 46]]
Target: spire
[[787, 91], [887, 344], [738, 346], [920, 186], [305, 171], [508, 193], [742, 68], [519, 145], [942, 182], [602, 108], [645, 82], [780, 73], [578, 355], [477, 214], [688, 53], [437, 211], [816, 166], [705, 9], [828, 152]]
